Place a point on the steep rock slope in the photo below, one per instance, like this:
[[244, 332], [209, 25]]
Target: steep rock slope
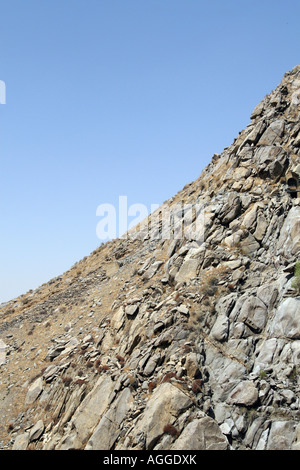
[[184, 341]]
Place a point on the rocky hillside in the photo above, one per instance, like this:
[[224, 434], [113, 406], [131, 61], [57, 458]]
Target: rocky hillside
[[179, 342]]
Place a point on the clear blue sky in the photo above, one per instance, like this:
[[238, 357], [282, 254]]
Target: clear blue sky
[[120, 97]]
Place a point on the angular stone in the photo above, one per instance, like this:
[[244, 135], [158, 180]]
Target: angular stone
[[268, 295], [271, 160], [86, 418], [255, 134], [258, 110], [224, 373], [250, 216], [54, 352], [166, 403], [37, 430], [234, 239], [108, 429], [241, 173], [254, 432], [253, 313], [220, 329], [261, 227], [34, 391], [231, 208], [249, 245], [2, 352], [21, 442], [183, 309], [201, 434], [281, 435], [296, 443], [273, 133], [265, 355], [188, 270], [289, 239], [225, 304], [50, 372], [131, 310], [287, 319], [245, 394], [151, 364], [71, 345], [152, 270], [191, 365], [118, 319]]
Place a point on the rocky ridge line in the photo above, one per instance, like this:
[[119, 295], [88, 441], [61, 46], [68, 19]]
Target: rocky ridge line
[[174, 344]]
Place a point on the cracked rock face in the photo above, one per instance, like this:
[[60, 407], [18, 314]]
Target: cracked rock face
[[181, 342]]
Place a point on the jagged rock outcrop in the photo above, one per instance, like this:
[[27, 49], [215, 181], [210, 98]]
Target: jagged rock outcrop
[[190, 341]]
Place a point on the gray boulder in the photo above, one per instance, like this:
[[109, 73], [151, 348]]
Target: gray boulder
[[34, 391], [253, 313], [108, 429], [165, 405], [287, 319], [201, 434], [245, 394]]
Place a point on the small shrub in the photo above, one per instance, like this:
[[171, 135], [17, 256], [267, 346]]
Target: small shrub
[[152, 386], [80, 381], [210, 290], [213, 281], [297, 269], [67, 381], [187, 348], [263, 374], [120, 359], [168, 377], [10, 427], [133, 381], [97, 363], [10, 311], [196, 386], [170, 429]]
